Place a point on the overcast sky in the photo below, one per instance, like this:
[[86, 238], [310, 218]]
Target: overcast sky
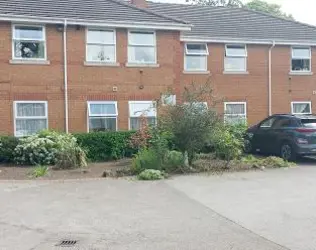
[[302, 10]]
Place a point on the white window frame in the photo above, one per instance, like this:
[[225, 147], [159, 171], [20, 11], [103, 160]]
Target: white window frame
[[101, 115], [100, 44], [39, 40], [301, 58], [15, 105], [129, 45], [133, 116], [186, 53], [237, 115], [245, 56], [303, 102]]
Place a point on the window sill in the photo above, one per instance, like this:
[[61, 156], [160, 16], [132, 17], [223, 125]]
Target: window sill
[[102, 64], [140, 65], [196, 72], [235, 72], [293, 73], [34, 62]]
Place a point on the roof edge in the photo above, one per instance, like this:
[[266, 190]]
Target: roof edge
[[200, 39], [100, 23]]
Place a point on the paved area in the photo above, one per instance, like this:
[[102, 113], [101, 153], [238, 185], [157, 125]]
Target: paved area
[[273, 209]]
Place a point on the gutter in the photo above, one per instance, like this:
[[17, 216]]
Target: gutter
[[99, 23], [270, 79], [65, 76]]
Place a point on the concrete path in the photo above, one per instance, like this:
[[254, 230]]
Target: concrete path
[[267, 210]]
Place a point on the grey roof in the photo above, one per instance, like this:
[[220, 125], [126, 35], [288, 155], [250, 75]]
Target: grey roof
[[236, 23], [101, 10]]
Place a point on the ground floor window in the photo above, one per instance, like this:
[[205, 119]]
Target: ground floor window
[[102, 116], [30, 117], [235, 112], [301, 108], [139, 109]]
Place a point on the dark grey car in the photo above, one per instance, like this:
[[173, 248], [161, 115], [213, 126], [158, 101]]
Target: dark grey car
[[288, 136]]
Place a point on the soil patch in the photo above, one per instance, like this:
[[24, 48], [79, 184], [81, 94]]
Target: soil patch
[[94, 170]]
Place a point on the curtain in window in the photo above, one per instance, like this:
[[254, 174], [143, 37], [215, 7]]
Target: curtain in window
[[31, 109], [235, 109], [26, 127], [301, 108], [135, 122]]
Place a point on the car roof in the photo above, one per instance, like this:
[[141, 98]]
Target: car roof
[[303, 116]]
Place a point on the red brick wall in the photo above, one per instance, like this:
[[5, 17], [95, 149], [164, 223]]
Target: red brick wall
[[253, 87], [86, 83], [93, 83]]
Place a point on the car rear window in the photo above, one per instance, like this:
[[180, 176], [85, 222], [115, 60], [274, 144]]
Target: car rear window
[[309, 123]]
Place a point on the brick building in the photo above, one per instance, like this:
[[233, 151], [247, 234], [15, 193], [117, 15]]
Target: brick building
[[94, 65]]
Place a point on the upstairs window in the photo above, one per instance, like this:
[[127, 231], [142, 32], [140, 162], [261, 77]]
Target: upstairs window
[[142, 47], [195, 58], [102, 116], [30, 117], [235, 58], [301, 59], [139, 109], [235, 112], [301, 108], [101, 46], [28, 42]]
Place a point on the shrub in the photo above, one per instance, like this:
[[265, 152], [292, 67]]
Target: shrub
[[50, 148], [227, 144], [145, 159], [39, 171], [104, 146], [174, 160], [151, 174], [7, 147]]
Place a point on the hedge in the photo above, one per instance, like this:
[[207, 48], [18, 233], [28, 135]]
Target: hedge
[[105, 146], [7, 146]]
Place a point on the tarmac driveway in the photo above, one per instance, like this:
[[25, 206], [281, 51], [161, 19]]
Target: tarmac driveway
[[261, 210]]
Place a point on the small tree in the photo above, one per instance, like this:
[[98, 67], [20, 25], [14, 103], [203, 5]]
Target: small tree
[[191, 121]]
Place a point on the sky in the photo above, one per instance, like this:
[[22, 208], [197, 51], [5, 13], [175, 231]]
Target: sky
[[302, 10]]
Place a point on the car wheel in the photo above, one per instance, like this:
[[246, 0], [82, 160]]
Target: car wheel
[[248, 149], [287, 152]]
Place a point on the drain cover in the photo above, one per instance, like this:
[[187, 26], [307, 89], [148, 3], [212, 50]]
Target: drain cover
[[67, 243]]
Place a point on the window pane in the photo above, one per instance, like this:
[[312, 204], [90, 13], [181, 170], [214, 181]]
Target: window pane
[[301, 108], [29, 49], [141, 54], [235, 63], [196, 48], [21, 32], [102, 124], [195, 63], [235, 119], [146, 109], [268, 123], [301, 53], [300, 65], [102, 109], [141, 38], [101, 53], [100, 36], [135, 122], [26, 127], [235, 50], [30, 109], [235, 109]]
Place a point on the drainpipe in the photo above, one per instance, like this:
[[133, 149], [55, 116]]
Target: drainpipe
[[270, 78], [65, 76]]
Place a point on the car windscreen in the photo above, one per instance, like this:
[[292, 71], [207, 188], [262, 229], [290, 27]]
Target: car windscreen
[[309, 123]]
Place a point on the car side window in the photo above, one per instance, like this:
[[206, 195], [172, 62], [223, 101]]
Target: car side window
[[268, 123], [283, 122]]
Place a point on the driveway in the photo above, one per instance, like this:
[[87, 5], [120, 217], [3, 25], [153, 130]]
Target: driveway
[[273, 209]]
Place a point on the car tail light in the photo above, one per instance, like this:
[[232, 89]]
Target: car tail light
[[301, 141], [306, 130]]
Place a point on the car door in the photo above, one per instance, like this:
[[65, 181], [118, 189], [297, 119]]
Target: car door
[[262, 135]]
